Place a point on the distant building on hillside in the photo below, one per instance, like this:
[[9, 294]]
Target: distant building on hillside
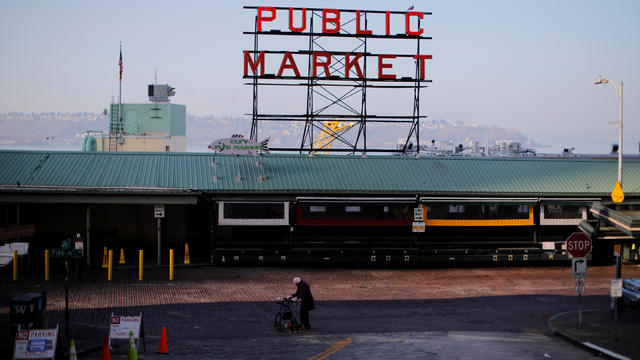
[[157, 126]]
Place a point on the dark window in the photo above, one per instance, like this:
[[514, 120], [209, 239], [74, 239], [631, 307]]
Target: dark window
[[355, 212], [253, 211], [562, 212], [476, 212]]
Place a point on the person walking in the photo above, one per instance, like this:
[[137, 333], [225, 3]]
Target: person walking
[[304, 294]]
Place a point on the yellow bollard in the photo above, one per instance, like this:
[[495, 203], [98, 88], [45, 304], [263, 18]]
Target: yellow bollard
[[186, 253], [171, 264], [46, 265], [110, 266], [121, 256], [105, 258], [15, 265], [140, 260]]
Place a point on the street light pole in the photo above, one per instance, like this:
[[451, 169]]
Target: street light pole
[[601, 80], [619, 91]]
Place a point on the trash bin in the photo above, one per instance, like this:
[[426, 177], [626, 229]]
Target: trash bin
[[27, 311]]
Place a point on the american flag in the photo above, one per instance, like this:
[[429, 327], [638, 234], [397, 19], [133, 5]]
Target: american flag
[[120, 63]]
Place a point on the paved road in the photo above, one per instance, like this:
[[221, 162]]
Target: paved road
[[482, 313]]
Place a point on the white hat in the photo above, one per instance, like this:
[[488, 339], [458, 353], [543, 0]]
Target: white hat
[[296, 280]]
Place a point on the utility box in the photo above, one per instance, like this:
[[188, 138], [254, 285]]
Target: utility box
[[28, 311]]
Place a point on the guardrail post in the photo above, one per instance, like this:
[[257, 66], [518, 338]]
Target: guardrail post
[[140, 262], [110, 265], [46, 265], [15, 265], [171, 264]]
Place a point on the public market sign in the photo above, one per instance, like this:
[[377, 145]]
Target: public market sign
[[269, 18]]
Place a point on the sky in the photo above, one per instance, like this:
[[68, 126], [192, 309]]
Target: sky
[[527, 65]]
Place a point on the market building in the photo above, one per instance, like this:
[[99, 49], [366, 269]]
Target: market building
[[291, 208]]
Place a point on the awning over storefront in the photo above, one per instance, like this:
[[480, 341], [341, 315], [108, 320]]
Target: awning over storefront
[[624, 217], [479, 201]]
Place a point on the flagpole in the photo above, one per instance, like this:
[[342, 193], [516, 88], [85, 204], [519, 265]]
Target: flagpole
[[119, 100]]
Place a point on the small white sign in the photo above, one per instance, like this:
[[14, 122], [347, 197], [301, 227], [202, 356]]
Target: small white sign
[[120, 326], [418, 214], [548, 245], [35, 344], [616, 287], [418, 226], [579, 267], [158, 211], [579, 284]]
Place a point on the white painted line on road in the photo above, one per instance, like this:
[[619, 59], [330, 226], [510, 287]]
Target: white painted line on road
[[491, 338], [605, 351]]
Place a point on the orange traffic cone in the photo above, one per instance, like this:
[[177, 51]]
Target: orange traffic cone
[[106, 353], [162, 347], [122, 256]]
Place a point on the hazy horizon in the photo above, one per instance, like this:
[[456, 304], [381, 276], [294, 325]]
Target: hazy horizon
[[526, 65]]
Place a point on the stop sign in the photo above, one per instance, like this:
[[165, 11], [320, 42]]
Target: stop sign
[[579, 244]]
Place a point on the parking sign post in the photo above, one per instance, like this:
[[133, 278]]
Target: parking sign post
[[579, 245], [616, 293]]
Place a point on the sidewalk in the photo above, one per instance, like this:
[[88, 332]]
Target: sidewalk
[[597, 332], [208, 308]]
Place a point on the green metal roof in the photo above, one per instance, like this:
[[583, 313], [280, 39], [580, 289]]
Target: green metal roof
[[301, 174]]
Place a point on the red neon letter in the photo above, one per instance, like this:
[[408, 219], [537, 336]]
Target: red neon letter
[[304, 21], [254, 66], [358, 31], [408, 21], [288, 58], [349, 64], [422, 58], [262, 18], [325, 64], [382, 65], [335, 20], [388, 18]]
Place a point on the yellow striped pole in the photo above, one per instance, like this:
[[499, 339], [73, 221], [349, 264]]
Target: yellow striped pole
[[15, 265], [110, 265], [140, 261], [46, 265], [171, 264]]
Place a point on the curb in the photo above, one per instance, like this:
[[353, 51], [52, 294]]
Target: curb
[[588, 345]]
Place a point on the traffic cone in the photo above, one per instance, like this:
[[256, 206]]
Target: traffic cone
[[72, 351], [186, 253], [133, 353], [106, 353], [121, 256], [162, 347], [105, 258]]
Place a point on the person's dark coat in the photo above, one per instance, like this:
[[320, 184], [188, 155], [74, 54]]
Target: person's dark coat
[[304, 294]]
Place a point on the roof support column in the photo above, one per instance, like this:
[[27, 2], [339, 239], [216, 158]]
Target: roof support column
[[88, 236], [159, 238]]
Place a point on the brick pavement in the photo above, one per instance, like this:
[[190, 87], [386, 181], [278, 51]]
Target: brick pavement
[[199, 294], [236, 284]]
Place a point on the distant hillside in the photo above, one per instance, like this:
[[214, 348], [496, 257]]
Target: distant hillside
[[65, 129]]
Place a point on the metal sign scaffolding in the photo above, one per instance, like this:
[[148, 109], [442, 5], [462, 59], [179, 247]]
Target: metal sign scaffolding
[[337, 97]]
